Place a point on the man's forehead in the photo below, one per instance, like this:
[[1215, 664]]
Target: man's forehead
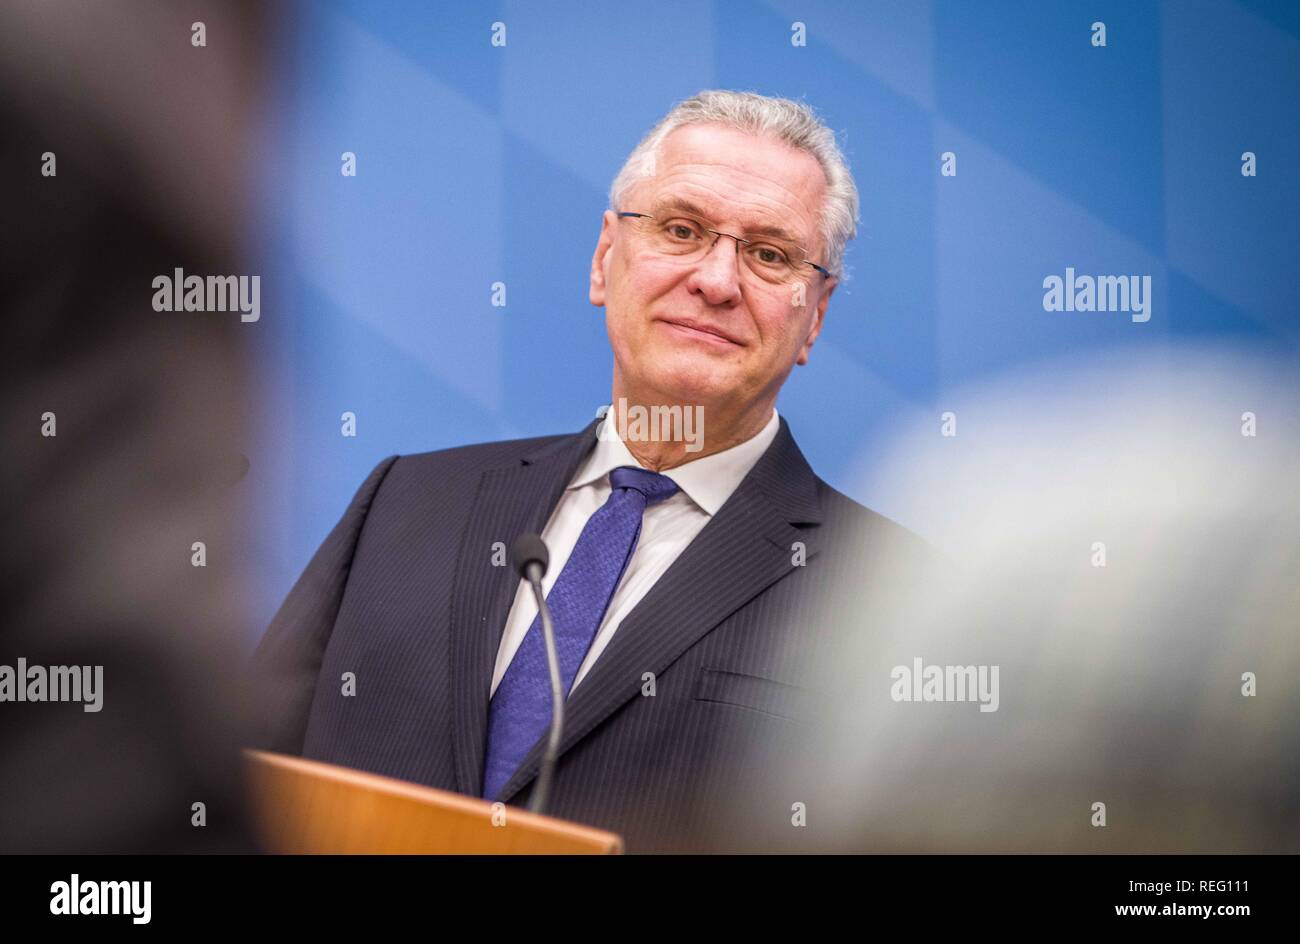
[[761, 155], [717, 172]]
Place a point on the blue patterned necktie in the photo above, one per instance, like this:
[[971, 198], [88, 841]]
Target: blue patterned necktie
[[520, 711]]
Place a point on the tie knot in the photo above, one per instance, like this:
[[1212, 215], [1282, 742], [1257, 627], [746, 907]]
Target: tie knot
[[652, 485]]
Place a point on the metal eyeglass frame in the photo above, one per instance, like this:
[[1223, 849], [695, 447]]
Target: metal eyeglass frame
[[739, 240]]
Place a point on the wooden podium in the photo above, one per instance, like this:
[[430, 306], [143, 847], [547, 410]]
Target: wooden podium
[[304, 806]]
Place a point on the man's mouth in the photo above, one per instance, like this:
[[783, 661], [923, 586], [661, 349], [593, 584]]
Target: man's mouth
[[700, 331]]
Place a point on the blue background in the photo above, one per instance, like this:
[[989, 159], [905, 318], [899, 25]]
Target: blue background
[[478, 164]]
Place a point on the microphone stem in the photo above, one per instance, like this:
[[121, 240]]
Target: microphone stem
[[537, 803]]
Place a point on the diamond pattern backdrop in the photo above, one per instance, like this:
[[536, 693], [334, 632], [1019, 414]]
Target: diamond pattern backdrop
[[479, 164]]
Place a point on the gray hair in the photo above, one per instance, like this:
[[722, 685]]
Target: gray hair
[[794, 123]]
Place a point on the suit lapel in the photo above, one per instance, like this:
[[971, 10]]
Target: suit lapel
[[745, 548], [510, 500]]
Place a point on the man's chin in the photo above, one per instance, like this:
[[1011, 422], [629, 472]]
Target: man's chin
[[691, 378]]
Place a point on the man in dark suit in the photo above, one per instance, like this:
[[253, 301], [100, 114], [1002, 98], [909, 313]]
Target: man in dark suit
[[690, 541]]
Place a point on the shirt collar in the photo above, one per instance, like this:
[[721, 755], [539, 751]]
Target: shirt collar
[[708, 482]]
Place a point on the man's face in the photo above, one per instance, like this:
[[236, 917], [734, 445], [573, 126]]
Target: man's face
[[742, 183]]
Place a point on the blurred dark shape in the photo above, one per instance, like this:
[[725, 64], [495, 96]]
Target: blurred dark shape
[[154, 143]]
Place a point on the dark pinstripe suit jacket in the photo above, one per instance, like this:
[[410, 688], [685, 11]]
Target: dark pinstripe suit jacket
[[663, 738]]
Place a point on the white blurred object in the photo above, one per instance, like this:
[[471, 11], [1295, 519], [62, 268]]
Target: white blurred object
[[1119, 684]]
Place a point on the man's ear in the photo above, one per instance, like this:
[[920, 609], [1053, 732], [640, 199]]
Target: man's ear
[[819, 317], [603, 244]]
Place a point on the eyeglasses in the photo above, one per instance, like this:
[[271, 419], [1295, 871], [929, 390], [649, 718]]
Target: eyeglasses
[[770, 258]]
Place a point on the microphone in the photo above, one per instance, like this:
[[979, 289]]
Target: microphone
[[527, 551], [530, 558]]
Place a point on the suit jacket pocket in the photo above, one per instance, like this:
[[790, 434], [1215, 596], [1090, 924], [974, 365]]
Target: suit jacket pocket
[[751, 691]]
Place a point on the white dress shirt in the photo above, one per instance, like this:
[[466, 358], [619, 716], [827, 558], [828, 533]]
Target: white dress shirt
[[667, 528]]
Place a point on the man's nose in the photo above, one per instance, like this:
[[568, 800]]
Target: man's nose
[[717, 275]]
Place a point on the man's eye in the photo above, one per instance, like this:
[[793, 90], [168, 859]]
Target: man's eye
[[770, 255], [681, 231]]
